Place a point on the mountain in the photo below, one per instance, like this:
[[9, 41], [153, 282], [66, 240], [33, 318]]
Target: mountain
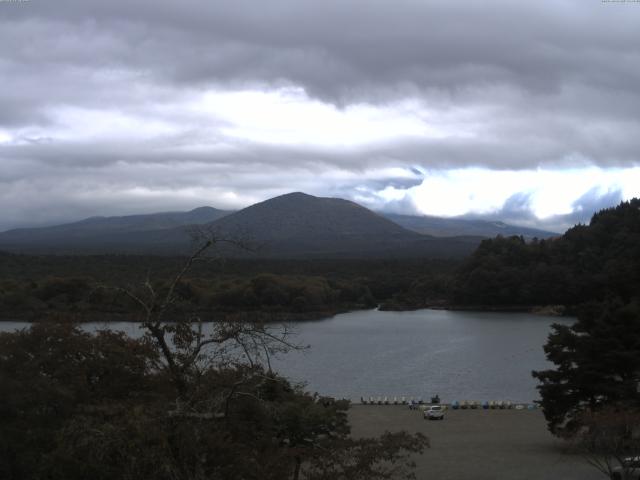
[[448, 227], [291, 225], [298, 215], [297, 224], [99, 234]]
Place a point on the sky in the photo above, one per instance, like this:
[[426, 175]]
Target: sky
[[527, 112]]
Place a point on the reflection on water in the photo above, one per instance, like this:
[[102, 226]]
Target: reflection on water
[[459, 355]]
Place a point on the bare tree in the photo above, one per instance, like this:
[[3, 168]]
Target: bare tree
[[609, 440], [186, 348]]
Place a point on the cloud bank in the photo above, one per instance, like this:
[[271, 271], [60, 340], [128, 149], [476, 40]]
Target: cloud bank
[[450, 108]]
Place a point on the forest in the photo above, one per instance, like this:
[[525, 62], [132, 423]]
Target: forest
[[43, 287], [595, 262]]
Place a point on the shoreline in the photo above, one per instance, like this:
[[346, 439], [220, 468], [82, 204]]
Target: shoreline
[[287, 316], [545, 310], [210, 316]]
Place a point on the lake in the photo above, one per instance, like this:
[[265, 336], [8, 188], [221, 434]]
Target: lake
[[458, 355]]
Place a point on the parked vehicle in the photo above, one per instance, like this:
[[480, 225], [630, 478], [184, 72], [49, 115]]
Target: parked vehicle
[[629, 470], [434, 412]]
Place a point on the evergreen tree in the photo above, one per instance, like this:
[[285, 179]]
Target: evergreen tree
[[597, 365]]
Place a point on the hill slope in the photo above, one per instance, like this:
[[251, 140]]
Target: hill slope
[[298, 224], [298, 215]]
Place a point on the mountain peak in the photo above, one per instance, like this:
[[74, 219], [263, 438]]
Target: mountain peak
[[297, 222], [294, 195], [202, 209]]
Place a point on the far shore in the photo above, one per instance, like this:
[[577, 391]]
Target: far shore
[[281, 316], [546, 310], [106, 317]]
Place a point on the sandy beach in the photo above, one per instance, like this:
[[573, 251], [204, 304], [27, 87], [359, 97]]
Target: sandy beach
[[479, 444]]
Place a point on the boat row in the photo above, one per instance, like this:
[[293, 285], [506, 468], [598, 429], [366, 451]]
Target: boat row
[[415, 403], [491, 405], [395, 401]]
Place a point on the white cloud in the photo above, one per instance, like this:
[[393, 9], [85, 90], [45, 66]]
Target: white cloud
[[549, 192], [83, 124], [289, 116]]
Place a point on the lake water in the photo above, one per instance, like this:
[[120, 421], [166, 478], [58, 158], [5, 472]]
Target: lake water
[[458, 355]]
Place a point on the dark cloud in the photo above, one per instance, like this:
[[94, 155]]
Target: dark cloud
[[340, 50], [591, 202], [517, 206], [517, 209], [400, 183]]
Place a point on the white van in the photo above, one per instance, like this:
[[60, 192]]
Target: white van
[[434, 412]]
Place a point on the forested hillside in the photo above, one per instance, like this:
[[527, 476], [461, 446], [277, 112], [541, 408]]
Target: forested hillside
[[592, 262]]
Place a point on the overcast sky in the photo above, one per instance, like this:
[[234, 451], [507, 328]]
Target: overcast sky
[[526, 111]]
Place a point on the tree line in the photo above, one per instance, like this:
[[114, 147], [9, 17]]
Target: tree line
[[599, 261], [36, 288]]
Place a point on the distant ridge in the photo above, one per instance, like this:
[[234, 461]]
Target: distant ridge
[[101, 234], [130, 223], [448, 227], [295, 225]]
